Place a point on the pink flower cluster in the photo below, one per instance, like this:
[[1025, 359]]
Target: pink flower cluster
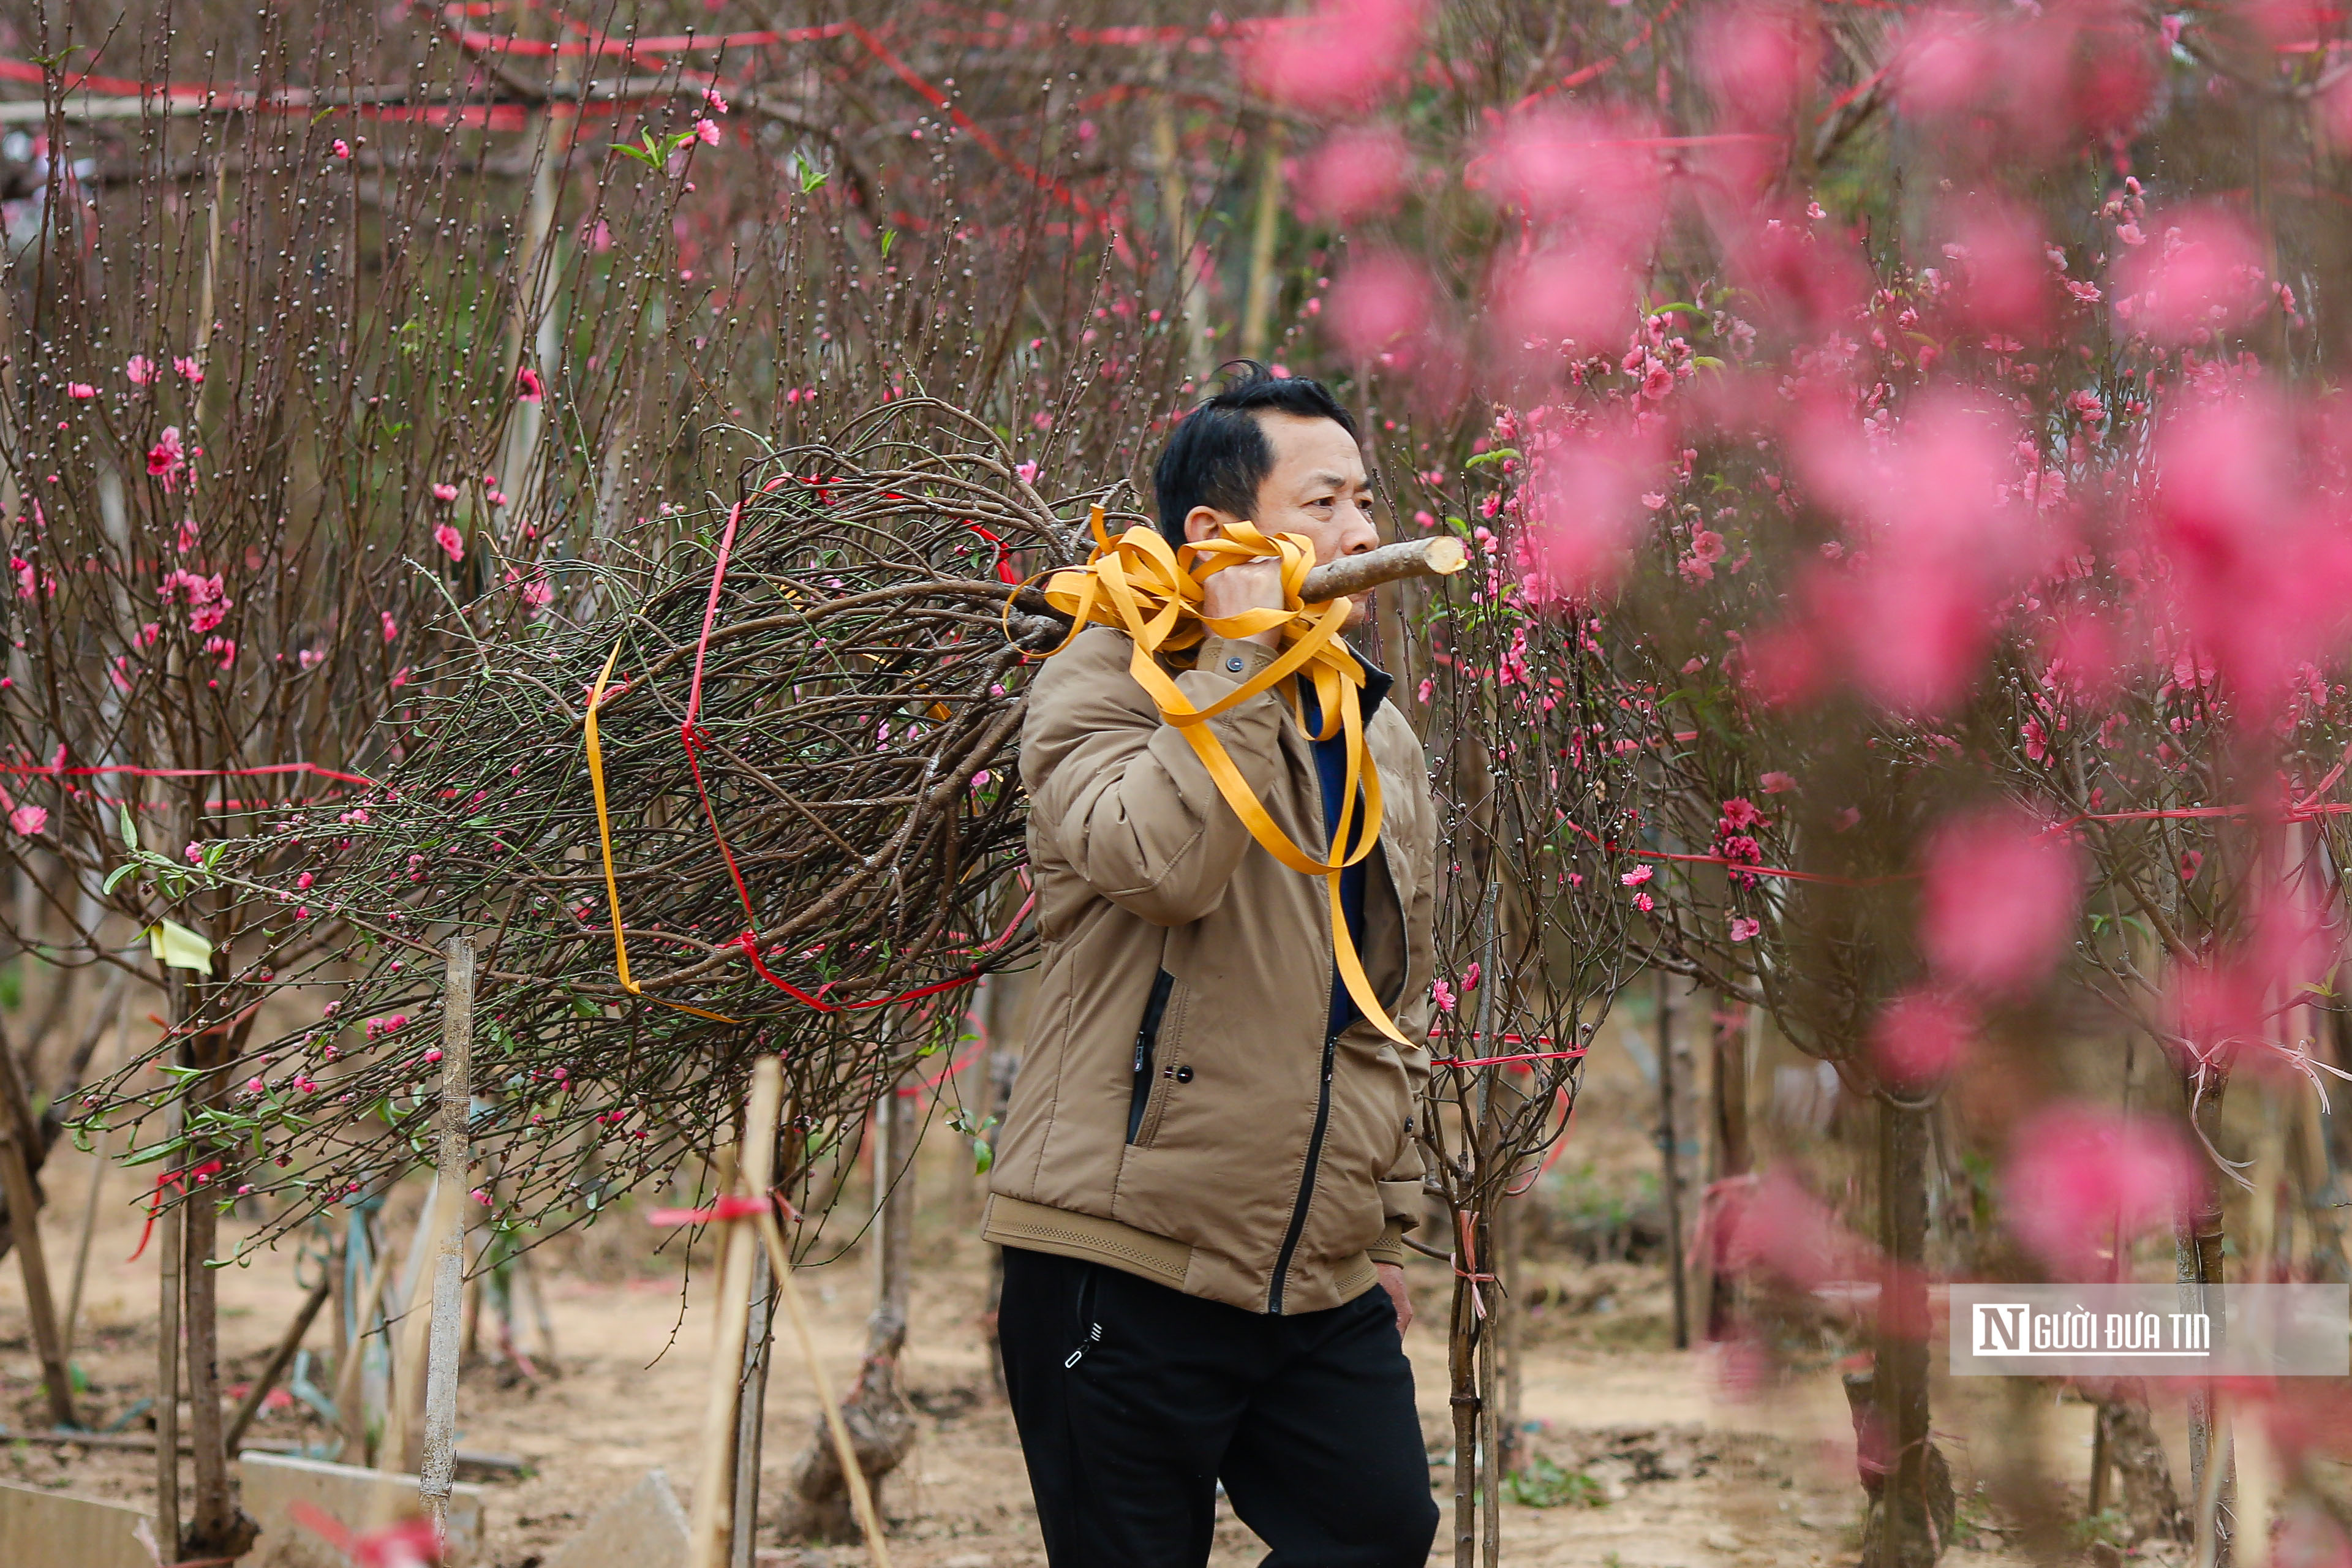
[[208, 603]]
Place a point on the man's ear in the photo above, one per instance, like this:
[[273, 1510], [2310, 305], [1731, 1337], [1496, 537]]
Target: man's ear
[[1204, 521]]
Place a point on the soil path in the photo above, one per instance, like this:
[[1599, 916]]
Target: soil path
[[1689, 1478]]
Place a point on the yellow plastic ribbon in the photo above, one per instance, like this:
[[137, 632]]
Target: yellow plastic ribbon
[[604, 836], [1142, 586]]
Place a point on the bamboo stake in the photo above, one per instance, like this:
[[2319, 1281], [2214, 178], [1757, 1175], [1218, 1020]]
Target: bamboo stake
[[1258, 300], [750, 1419], [17, 1179], [402, 1428], [120, 1020], [349, 1387], [438, 1472], [279, 1359], [780, 1262], [712, 1520], [99, 1162]]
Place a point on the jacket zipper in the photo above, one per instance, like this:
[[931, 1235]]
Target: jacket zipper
[[1147, 1036], [1306, 1179], [1091, 1335]]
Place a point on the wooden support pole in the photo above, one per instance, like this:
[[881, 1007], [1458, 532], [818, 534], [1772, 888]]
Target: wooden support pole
[[404, 1431], [280, 1358], [351, 1377], [17, 1179], [780, 1261], [750, 1422], [98, 1162], [111, 1012], [711, 1523], [438, 1472]]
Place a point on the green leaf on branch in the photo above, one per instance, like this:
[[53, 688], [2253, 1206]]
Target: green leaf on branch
[[1498, 454], [130, 832]]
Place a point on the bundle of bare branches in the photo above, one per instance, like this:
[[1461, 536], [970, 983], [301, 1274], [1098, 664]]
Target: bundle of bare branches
[[806, 835]]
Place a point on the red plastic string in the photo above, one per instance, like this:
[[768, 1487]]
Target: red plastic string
[[177, 1179], [693, 740], [970, 1054], [407, 1541], [730, 1207], [1004, 572]]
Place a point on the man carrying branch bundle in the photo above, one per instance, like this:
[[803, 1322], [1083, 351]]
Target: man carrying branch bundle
[[1210, 1158]]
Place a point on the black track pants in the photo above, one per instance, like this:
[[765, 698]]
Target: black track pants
[[1307, 1420]]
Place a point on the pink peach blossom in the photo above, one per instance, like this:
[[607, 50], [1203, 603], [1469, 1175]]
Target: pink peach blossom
[[1999, 901], [167, 459], [2205, 274], [2077, 1174], [1920, 1037], [1343, 53], [1357, 170], [1380, 302]]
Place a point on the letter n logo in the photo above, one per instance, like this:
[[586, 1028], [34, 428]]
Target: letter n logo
[[1999, 1328]]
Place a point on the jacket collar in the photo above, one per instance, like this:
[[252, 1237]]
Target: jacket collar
[[1378, 683]]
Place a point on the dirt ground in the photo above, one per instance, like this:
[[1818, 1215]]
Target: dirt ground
[[1682, 1473]]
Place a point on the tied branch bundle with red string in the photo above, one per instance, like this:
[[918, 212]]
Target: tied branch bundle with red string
[[764, 802]]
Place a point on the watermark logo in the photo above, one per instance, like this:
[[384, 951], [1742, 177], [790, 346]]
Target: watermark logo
[[2151, 1330], [2022, 1328]]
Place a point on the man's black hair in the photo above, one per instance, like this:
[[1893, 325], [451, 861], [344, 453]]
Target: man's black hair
[[1220, 454]]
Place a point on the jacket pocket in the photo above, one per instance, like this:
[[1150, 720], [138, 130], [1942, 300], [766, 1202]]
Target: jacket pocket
[[1146, 1046]]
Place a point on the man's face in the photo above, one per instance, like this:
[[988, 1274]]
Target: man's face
[[1316, 487]]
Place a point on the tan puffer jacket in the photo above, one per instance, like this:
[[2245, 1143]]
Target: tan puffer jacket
[[1180, 1113]]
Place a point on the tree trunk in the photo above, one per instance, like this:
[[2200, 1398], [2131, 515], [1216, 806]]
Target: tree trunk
[[167, 1351], [1672, 1054], [216, 1526], [2144, 1497], [1912, 1509], [2196, 1252], [1461, 1369], [1728, 1144]]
